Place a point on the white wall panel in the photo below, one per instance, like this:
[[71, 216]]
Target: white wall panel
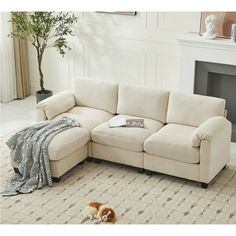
[[139, 49], [174, 21], [115, 64], [167, 70], [55, 69], [95, 18]]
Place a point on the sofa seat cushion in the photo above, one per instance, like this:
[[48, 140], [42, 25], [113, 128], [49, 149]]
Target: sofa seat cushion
[[126, 138], [67, 142], [88, 117], [174, 142]]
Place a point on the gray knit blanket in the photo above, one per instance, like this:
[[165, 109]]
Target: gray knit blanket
[[30, 152]]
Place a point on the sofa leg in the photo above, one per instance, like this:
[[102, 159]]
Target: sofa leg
[[140, 170], [16, 170], [56, 179], [97, 161], [148, 172], [204, 185], [89, 159]]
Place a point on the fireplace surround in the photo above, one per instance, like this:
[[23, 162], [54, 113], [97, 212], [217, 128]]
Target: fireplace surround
[[218, 80], [208, 67]]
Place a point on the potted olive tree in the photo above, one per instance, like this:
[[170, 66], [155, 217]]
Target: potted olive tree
[[44, 30]]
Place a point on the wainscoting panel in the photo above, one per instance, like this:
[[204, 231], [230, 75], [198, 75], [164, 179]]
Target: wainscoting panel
[[115, 64], [174, 21], [114, 20], [167, 71], [140, 49], [57, 76]]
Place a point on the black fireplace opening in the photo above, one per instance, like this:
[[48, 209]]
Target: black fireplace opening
[[218, 80]]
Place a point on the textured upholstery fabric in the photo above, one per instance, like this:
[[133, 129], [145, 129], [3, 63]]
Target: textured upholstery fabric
[[117, 155], [208, 129], [215, 151], [59, 167], [57, 104], [41, 115], [88, 117], [171, 167], [142, 101], [174, 142], [122, 137], [98, 94], [195, 144], [67, 142], [193, 109], [214, 155], [89, 148]]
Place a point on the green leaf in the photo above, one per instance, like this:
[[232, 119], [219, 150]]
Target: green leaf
[[44, 30]]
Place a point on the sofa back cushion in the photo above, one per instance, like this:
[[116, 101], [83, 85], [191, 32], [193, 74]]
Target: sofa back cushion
[[143, 102], [99, 94], [192, 109]]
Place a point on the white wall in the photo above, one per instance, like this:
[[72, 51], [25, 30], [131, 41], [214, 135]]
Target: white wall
[[139, 49]]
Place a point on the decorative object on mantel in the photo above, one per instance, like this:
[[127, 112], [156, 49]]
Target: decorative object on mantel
[[44, 30], [224, 23], [210, 23], [233, 33]]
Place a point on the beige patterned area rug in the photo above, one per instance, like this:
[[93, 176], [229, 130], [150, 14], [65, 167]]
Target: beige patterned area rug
[[136, 198]]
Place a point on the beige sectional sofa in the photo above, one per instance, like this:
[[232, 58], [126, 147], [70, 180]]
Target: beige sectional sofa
[[184, 135]]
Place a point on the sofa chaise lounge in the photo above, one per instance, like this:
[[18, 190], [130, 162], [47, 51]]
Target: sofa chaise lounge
[[184, 135]]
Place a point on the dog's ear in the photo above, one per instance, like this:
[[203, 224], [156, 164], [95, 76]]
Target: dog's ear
[[113, 220], [111, 216], [95, 204]]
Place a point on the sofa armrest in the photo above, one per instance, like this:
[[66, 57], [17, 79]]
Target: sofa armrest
[[55, 105], [208, 130], [214, 139]]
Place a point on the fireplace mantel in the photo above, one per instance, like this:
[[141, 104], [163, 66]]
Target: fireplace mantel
[[195, 48]]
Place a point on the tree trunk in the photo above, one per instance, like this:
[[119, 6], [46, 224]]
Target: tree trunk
[[40, 56]]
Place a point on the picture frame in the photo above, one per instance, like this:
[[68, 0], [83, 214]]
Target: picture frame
[[224, 23]]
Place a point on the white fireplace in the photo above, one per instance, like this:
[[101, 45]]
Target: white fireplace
[[194, 48]]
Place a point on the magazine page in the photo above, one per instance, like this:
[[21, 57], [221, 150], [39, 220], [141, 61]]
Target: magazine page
[[117, 123]]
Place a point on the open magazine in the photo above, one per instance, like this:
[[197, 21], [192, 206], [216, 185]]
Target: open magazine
[[122, 122]]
